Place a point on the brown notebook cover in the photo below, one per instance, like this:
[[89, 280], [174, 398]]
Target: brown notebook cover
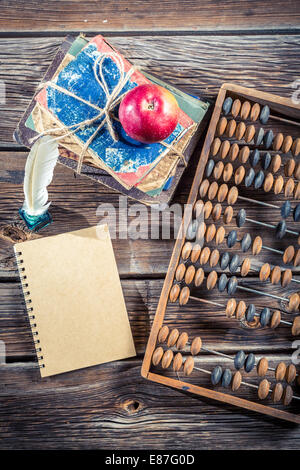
[[78, 316]]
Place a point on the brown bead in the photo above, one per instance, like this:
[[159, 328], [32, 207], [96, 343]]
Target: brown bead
[[280, 371], [207, 209], [199, 277], [180, 271], [239, 175], [228, 214], [236, 381], [174, 293], [240, 310], [278, 141], [182, 340], [255, 112], [297, 258], [294, 302], [275, 320], [216, 212], [278, 185], [184, 295], [177, 362], [275, 275], [201, 231], [230, 128], [236, 106], [244, 154], [215, 146], [186, 250], [287, 395], [245, 110], [222, 193], [289, 187], [220, 235], [268, 183], [214, 258], [163, 334], [245, 268], [249, 134], [264, 272], [212, 191], [233, 152], [188, 365], [286, 277], [218, 170], [297, 191], [290, 374], [204, 256], [189, 275], [173, 337], [211, 280], [289, 167], [232, 195], [167, 359], [203, 188], [240, 130], [157, 355], [277, 392], [224, 149], [288, 254], [195, 253], [230, 308], [297, 171], [198, 208], [227, 173], [257, 245], [196, 346], [262, 367], [296, 147], [263, 389], [287, 143], [296, 326], [276, 163], [221, 126]]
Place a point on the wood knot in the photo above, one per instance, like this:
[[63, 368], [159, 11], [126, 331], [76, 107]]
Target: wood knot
[[132, 406]]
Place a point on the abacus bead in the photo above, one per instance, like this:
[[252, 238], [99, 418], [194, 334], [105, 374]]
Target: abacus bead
[[241, 218], [230, 128], [277, 142], [222, 193], [236, 106], [222, 282], [297, 258], [297, 171], [294, 302], [184, 295], [245, 110], [228, 214], [191, 230], [255, 112], [214, 258], [157, 355], [286, 209], [177, 362], [188, 365], [203, 188], [210, 232], [224, 149], [246, 242], [259, 135], [220, 235], [289, 187], [199, 277], [174, 293], [297, 191], [236, 381], [232, 285], [262, 367], [280, 371], [189, 275], [225, 258], [296, 213], [250, 133], [240, 310], [227, 104], [288, 254], [268, 183], [240, 130], [216, 375], [263, 389], [209, 167], [207, 209], [239, 174], [276, 163], [196, 346], [277, 392], [290, 374], [254, 158], [163, 334], [167, 359], [275, 320], [296, 147], [186, 250], [233, 152], [216, 212], [268, 139], [286, 277], [264, 114], [257, 245], [266, 160], [239, 360], [212, 191], [201, 231], [218, 170], [221, 126], [232, 195], [265, 316], [204, 256], [211, 280], [287, 143], [198, 208], [280, 229], [296, 327], [226, 378], [244, 154], [173, 337], [289, 167], [275, 275], [249, 363], [279, 182], [234, 263], [227, 173], [259, 179], [245, 268], [230, 308], [180, 271], [215, 146], [250, 312], [250, 177], [287, 395], [264, 272], [231, 238], [182, 340], [195, 253]]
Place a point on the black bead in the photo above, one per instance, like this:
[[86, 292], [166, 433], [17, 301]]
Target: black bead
[[280, 229], [268, 139], [239, 360], [234, 263], [259, 135], [249, 363], [264, 114], [286, 210], [216, 375], [254, 158], [231, 238], [250, 312], [232, 285], [266, 161], [296, 213], [249, 178], [209, 167], [192, 229], [226, 378], [225, 258], [241, 218], [265, 316], [222, 282], [259, 179], [246, 242], [227, 105]]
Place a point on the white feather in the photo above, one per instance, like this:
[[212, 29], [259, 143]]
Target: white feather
[[38, 175]]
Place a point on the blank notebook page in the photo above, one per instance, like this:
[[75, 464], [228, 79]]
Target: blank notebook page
[[77, 300]]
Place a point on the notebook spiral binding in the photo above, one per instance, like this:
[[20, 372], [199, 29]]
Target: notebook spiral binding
[[30, 316]]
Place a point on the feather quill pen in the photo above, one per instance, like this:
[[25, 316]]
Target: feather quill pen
[[39, 169]]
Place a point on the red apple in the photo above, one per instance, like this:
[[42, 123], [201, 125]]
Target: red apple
[[149, 113]]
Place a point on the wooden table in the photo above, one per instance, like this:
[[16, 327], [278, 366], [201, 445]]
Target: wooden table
[[197, 45]]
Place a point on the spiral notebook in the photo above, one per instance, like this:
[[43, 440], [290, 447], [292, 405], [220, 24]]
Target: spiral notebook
[[74, 300]]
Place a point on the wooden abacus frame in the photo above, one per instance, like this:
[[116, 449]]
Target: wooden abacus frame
[[282, 106]]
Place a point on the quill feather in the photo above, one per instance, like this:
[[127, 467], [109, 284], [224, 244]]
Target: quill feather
[[39, 169]]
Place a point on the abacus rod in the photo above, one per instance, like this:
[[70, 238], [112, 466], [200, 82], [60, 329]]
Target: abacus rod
[[217, 353], [270, 226], [254, 291], [272, 249], [289, 121], [207, 301], [258, 202]]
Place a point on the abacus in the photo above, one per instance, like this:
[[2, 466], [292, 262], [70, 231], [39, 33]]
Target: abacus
[[248, 159]]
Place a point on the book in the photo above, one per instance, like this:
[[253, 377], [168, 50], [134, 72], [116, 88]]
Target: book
[[74, 300]]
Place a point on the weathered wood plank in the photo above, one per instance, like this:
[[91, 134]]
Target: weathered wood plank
[[152, 15]]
